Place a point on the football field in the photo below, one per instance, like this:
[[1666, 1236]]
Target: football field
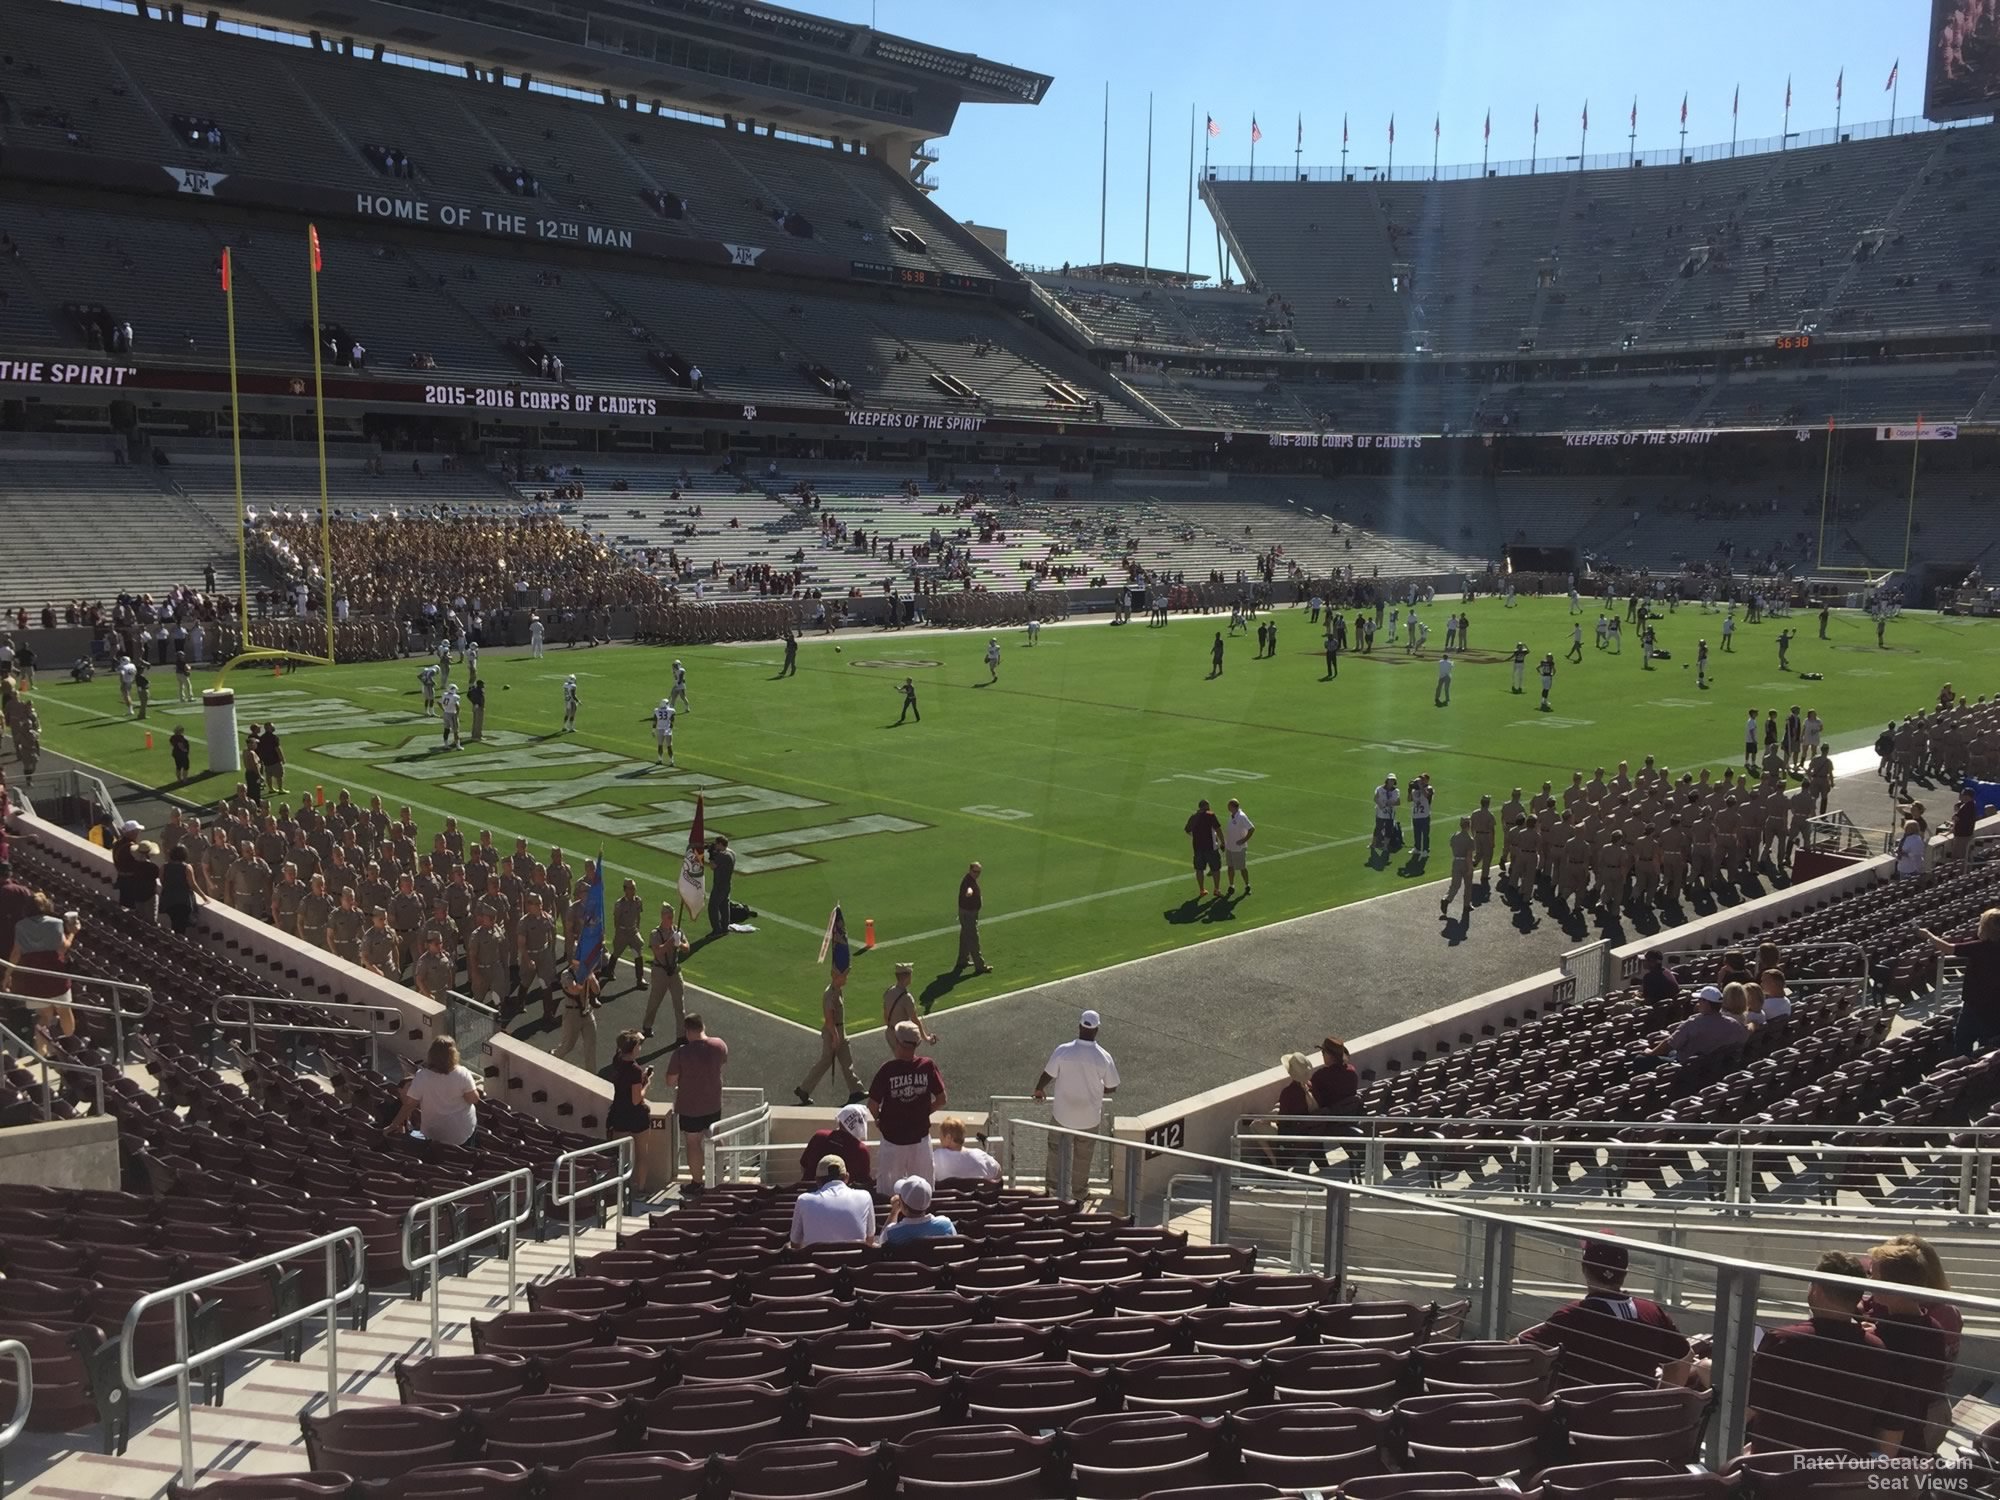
[[1069, 778]]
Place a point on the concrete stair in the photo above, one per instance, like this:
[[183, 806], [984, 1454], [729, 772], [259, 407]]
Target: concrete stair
[[256, 1428]]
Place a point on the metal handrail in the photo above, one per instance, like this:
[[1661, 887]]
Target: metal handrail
[[1972, 1177], [1366, 1124], [24, 1389], [1491, 1238], [8, 1038], [250, 1022], [520, 1185], [754, 1122], [566, 1164], [186, 1362], [118, 987]]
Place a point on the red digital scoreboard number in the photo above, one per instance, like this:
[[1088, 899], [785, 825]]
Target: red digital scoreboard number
[[1793, 341]]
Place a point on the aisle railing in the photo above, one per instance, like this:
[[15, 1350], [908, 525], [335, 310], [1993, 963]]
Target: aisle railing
[[186, 1360], [520, 1188]]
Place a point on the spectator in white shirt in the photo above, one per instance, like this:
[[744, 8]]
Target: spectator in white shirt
[[951, 1157], [443, 1095], [1387, 798], [1910, 852], [1079, 1077], [1773, 1004], [1236, 832], [833, 1213]]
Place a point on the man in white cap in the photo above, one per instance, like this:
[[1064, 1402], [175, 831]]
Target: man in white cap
[[833, 1213], [905, 1091], [910, 1216], [847, 1139], [1079, 1077], [1710, 1030]]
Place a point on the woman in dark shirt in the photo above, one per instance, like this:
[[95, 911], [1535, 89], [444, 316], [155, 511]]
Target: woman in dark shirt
[[628, 1114], [1979, 1007], [178, 893]]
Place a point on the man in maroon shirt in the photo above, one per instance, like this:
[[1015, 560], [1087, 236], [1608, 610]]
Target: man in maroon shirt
[[847, 1139], [1828, 1382], [1608, 1335], [905, 1090], [969, 902], [1335, 1084], [1205, 830]]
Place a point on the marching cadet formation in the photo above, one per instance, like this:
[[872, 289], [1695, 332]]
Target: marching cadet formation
[[1635, 841], [1959, 738], [365, 886]]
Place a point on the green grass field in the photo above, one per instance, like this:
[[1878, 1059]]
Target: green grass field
[[1069, 779]]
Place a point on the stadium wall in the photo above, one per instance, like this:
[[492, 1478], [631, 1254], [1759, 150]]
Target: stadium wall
[[62, 1154]]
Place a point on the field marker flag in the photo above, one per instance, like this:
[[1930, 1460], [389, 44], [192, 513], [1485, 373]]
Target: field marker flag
[[225, 268], [319, 263], [692, 886], [834, 944], [590, 937]]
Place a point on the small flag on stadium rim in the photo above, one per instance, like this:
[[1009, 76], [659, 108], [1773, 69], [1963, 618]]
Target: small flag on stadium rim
[[1684, 109], [225, 268], [312, 232], [1256, 134], [1343, 130], [590, 936], [1301, 141], [1392, 130], [1894, 68], [1437, 126], [1489, 125], [1839, 83], [1213, 128], [1735, 100], [692, 885], [1635, 111], [834, 944], [1788, 91], [1586, 114]]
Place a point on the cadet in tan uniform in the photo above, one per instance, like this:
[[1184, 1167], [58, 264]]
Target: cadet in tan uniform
[[343, 927], [898, 1006], [1675, 847], [579, 991], [250, 882], [314, 909], [834, 1052], [1482, 823], [535, 954], [1544, 800], [626, 914], [372, 890], [435, 969], [1727, 824], [1577, 859], [285, 898], [1462, 844], [453, 936], [486, 962], [378, 945], [1524, 858], [668, 945], [1646, 864], [1614, 874], [406, 919]]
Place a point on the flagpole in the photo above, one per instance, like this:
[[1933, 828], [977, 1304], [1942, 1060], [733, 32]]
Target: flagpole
[[1343, 148], [1486, 142], [1187, 252], [1632, 140], [236, 456], [1535, 142], [1146, 253], [1735, 105], [1298, 146], [1895, 88], [1437, 130], [1583, 141], [1785, 130], [1253, 148], [1390, 176], [319, 412], [1839, 101], [1104, 176]]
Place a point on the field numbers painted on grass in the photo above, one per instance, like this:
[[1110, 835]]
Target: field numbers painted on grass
[[1003, 814], [1682, 703], [1552, 721], [1398, 747], [1214, 773]]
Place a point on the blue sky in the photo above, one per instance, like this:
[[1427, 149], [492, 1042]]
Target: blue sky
[[1034, 170]]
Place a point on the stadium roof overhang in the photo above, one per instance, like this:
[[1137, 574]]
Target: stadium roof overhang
[[716, 57]]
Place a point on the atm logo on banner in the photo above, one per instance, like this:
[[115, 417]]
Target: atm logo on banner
[[195, 180]]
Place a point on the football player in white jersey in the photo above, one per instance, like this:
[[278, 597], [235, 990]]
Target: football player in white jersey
[[569, 704], [663, 732], [680, 692], [993, 659]]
